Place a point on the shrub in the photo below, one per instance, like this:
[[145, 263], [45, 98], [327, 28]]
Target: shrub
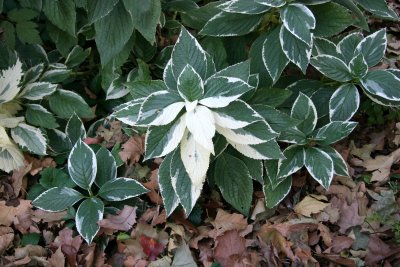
[[250, 90]]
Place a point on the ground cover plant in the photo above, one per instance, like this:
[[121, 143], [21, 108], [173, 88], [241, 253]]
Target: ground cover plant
[[186, 133]]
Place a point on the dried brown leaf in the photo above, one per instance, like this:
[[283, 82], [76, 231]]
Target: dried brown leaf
[[229, 249], [225, 221], [132, 149], [57, 259], [6, 237], [8, 213], [123, 221], [310, 205]]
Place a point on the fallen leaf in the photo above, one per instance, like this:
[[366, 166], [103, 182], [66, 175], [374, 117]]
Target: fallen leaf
[[364, 153], [39, 164], [310, 205], [229, 249], [378, 250], [8, 213], [271, 236], [183, 257], [381, 166], [349, 216], [259, 208], [225, 221], [18, 176], [57, 259], [48, 217], [152, 185], [29, 251], [132, 150], [339, 260], [69, 245], [20, 262], [123, 221], [6, 238], [340, 243]]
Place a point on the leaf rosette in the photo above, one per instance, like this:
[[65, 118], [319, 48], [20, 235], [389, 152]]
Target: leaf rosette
[[193, 105]]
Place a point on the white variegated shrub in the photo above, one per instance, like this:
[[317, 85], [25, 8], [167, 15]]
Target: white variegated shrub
[[85, 173], [189, 110], [26, 118]]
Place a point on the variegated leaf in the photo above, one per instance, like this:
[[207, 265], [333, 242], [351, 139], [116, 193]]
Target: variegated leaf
[[9, 81], [344, 103], [187, 192], [320, 165], [160, 108], [162, 140], [200, 123], [38, 90], [30, 138], [237, 114], [220, 91], [195, 158]]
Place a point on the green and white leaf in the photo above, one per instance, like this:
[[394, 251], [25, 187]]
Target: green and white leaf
[[200, 123], [82, 165], [219, 91], [373, 47], [231, 24], [320, 165], [358, 66], [120, 189], [142, 89], [170, 199], [278, 120], [253, 134], [107, 170], [38, 90], [334, 131], [75, 129], [304, 110], [58, 141], [379, 8], [56, 75], [66, 103], [273, 196], [293, 136], [128, 112], [88, 214], [339, 164], [383, 84], [9, 81], [332, 67], [267, 150], [237, 114], [295, 49], [190, 84], [195, 158], [11, 157], [116, 89], [298, 20], [273, 56], [234, 181], [160, 108], [244, 7], [37, 115], [187, 192], [169, 78], [162, 140], [293, 161], [187, 50], [145, 16], [272, 3], [347, 46], [30, 138], [57, 199], [344, 103]]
